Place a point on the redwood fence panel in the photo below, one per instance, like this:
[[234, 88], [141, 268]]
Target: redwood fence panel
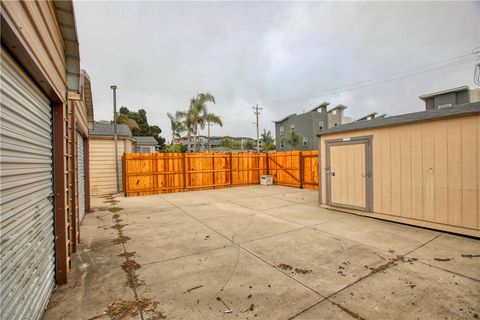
[[154, 173]]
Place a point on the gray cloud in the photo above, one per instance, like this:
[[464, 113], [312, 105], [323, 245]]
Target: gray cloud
[[160, 53]]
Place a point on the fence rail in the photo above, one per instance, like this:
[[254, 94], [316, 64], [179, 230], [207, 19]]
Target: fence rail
[[154, 173]]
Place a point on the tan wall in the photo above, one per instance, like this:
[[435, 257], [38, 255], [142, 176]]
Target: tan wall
[[102, 164], [81, 115], [427, 171], [37, 24]]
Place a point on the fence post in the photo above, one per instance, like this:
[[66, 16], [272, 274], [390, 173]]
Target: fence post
[[301, 168], [124, 175], [268, 165], [154, 172], [184, 172], [231, 170], [213, 170]]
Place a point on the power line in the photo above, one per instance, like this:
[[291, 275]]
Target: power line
[[454, 61], [385, 78]]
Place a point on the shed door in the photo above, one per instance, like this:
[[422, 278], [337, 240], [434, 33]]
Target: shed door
[[81, 175], [26, 210], [348, 177]]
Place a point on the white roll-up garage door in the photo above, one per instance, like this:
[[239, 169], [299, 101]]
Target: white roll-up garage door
[[81, 175], [27, 265]]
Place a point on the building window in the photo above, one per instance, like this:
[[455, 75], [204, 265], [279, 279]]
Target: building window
[[281, 131], [140, 149], [320, 125], [334, 112], [305, 141], [292, 127]]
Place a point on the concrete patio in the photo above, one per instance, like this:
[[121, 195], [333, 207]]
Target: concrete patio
[[262, 253]]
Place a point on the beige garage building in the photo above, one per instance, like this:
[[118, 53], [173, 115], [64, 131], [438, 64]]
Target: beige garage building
[[103, 171], [421, 168]]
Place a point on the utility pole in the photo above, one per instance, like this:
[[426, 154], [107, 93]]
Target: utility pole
[[257, 113], [114, 88]]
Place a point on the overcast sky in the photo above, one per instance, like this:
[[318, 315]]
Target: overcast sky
[[281, 55]]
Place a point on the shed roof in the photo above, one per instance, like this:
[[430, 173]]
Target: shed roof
[[146, 140], [106, 130], [456, 111]]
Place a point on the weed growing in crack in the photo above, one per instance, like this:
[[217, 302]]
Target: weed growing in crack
[[121, 239], [122, 309], [118, 226], [127, 254], [115, 209]]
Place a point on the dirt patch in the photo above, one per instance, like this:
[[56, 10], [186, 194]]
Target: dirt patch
[[118, 226], [392, 262], [285, 267], [122, 309], [121, 239], [127, 254], [350, 312], [302, 271], [442, 259], [112, 201]]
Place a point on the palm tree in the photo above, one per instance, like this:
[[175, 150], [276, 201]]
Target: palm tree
[[176, 125], [186, 121], [131, 123], [211, 119], [195, 114], [266, 137]]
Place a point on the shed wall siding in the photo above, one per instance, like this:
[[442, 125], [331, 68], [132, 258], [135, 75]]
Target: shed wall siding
[[426, 171], [81, 115], [102, 164], [37, 24]]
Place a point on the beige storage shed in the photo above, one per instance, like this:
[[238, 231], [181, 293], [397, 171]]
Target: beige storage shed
[[420, 168], [103, 171]]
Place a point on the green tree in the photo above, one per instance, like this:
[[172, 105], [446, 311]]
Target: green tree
[[249, 145], [228, 142], [174, 148], [292, 139], [211, 119], [142, 128]]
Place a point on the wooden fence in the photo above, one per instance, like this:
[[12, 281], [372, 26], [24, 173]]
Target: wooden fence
[[153, 173]]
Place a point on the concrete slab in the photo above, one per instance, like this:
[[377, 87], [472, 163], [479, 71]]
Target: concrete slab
[[413, 291], [306, 196], [241, 228], [305, 215], [332, 263], [183, 241], [95, 281], [325, 310], [262, 203], [216, 209], [235, 277], [163, 243], [453, 253], [387, 236]]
